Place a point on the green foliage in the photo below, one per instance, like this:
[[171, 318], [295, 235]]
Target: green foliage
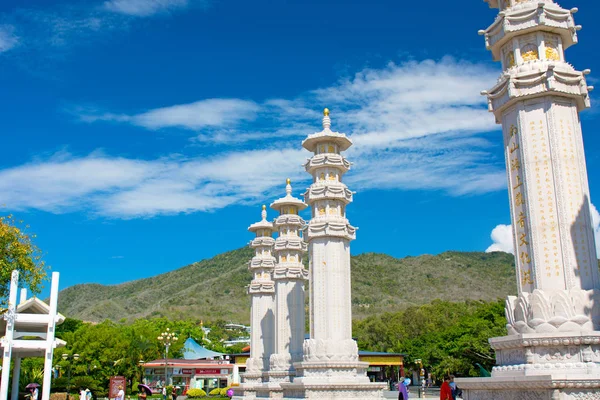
[[224, 391], [196, 393], [17, 251], [447, 337], [213, 289], [32, 370], [215, 392]]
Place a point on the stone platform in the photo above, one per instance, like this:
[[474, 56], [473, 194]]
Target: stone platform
[[540, 366]]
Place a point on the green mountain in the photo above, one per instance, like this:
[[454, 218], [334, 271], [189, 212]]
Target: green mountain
[[215, 288]]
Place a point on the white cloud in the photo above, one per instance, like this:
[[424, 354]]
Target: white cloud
[[125, 188], [201, 114], [8, 39], [144, 8], [502, 235], [416, 126]]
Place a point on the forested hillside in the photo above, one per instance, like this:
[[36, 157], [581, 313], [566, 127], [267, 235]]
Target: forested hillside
[[215, 288]]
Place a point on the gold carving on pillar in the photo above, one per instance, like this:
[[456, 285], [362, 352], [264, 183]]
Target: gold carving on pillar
[[519, 200], [552, 54], [521, 220], [523, 240], [526, 278], [515, 164], [551, 43], [519, 183], [530, 53], [525, 259]]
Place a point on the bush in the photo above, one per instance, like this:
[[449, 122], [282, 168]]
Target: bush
[[196, 393], [224, 391]]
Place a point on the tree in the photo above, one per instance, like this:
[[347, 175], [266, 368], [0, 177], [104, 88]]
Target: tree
[[17, 251]]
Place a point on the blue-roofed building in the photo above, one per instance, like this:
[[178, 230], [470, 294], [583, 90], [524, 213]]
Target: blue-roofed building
[[192, 350], [199, 368]]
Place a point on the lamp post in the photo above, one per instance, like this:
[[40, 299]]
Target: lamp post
[[167, 338], [421, 383], [141, 364], [69, 357]]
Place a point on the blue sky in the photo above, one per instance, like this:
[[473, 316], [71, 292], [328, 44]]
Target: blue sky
[[142, 135]]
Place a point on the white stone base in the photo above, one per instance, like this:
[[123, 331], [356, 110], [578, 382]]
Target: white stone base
[[334, 391], [540, 366], [332, 380], [257, 391], [549, 387]]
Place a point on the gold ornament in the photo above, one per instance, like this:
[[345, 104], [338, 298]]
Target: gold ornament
[[326, 112], [552, 54]]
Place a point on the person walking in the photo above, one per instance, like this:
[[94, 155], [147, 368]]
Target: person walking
[[446, 390], [174, 393], [120, 394], [402, 389], [164, 392]]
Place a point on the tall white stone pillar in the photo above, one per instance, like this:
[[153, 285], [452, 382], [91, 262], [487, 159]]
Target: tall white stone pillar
[[289, 276], [14, 392], [7, 341], [262, 319], [330, 368], [553, 347]]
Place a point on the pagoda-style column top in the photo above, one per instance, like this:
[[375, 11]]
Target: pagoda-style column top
[[263, 226], [327, 137], [288, 204], [528, 17]]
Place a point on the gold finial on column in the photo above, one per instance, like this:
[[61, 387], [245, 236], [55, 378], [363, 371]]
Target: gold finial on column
[[326, 112], [288, 181], [264, 207]]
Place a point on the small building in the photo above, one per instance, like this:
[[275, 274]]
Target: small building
[[189, 374], [200, 368]]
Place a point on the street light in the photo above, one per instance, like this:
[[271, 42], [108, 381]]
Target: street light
[[69, 357], [421, 376], [141, 364], [167, 338]]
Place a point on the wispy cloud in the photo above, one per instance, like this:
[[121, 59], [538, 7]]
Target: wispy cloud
[[8, 38], [146, 8], [416, 126], [201, 114], [52, 31], [502, 235], [126, 188]]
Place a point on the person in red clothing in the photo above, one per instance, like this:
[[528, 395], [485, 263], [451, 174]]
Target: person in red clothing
[[446, 390]]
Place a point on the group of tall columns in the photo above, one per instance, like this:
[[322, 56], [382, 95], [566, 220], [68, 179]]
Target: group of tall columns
[[282, 363]]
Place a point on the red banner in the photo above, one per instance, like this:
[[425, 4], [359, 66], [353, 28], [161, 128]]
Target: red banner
[[115, 382], [212, 371]]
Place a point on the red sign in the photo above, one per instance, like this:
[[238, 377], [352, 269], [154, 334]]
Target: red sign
[[211, 371], [116, 382], [186, 371]]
